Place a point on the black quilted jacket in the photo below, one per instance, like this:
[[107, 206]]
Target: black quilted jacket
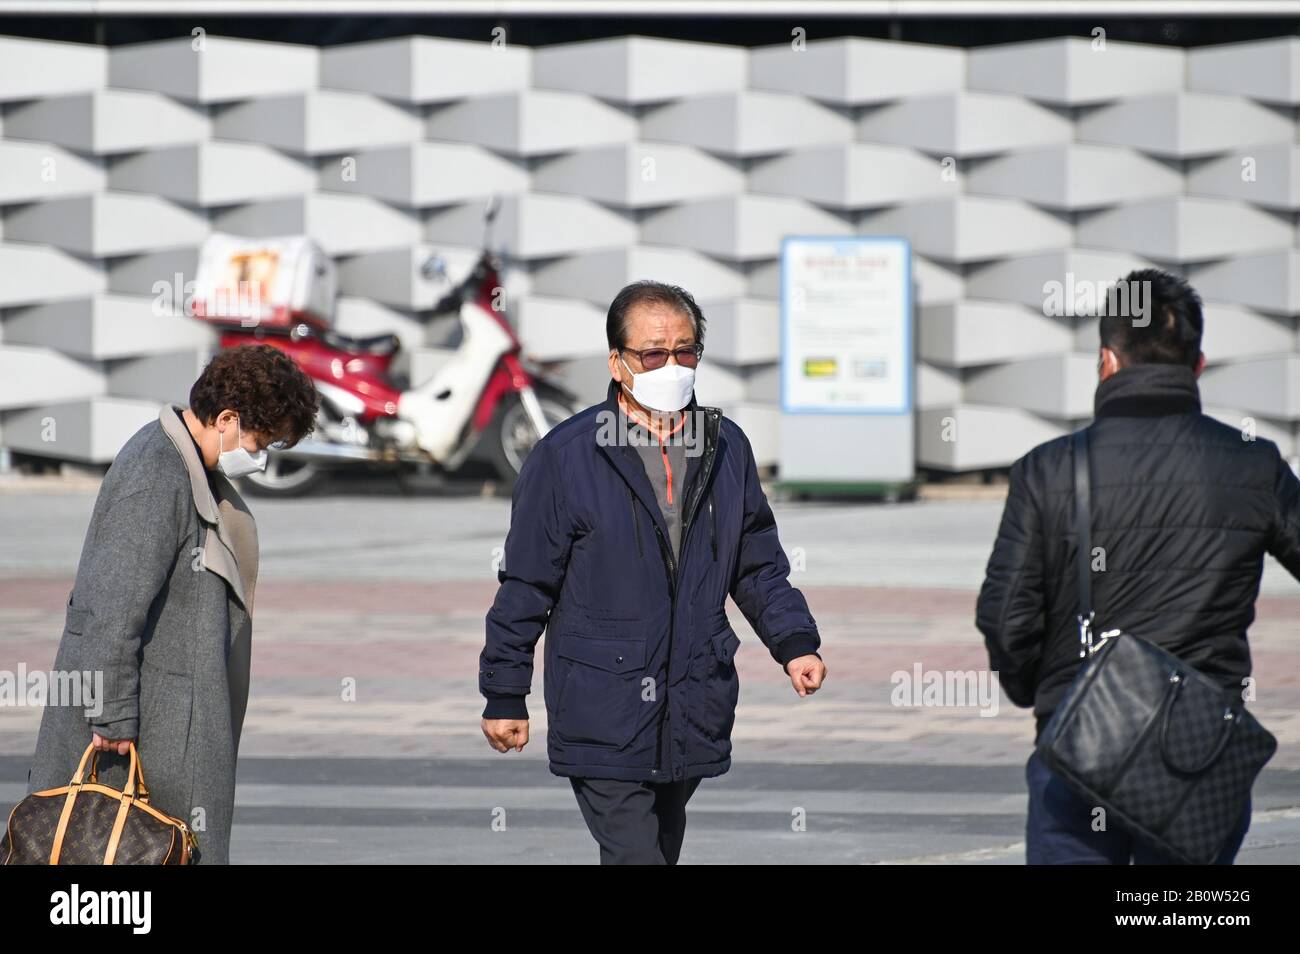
[[1183, 508]]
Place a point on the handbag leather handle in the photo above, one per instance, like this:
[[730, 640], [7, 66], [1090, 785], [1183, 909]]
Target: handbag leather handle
[[1176, 685], [137, 772], [74, 789]]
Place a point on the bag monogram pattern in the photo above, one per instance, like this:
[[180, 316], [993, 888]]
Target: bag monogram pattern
[[88, 823]]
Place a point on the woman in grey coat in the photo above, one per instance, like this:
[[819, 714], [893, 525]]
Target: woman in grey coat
[[163, 600]]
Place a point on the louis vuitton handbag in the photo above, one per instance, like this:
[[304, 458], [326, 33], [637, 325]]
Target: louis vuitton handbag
[[1156, 743], [89, 823]]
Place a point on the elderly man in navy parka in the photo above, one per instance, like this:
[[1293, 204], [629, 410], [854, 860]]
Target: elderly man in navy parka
[[631, 523]]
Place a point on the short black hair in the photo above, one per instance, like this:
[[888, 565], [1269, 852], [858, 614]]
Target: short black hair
[[647, 292], [271, 394], [1153, 317]]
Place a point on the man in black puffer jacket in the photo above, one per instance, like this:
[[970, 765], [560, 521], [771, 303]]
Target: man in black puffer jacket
[[1183, 510]]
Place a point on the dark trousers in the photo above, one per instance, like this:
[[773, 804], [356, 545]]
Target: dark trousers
[[635, 823], [1059, 828]]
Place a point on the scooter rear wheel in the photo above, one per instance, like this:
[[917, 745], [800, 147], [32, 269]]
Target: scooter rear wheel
[[511, 436]]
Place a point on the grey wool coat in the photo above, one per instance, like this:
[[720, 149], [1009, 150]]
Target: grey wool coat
[[162, 606]]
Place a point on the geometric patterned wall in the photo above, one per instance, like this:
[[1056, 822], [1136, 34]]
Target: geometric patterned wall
[[1008, 167]]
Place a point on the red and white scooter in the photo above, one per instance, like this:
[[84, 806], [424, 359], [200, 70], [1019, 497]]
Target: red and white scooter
[[281, 292]]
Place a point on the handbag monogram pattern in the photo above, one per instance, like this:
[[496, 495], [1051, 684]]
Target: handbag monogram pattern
[[88, 823], [1156, 743]]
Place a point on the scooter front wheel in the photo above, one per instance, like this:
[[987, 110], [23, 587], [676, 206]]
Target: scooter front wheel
[[284, 477]]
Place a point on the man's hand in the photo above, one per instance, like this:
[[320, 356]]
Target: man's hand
[[806, 674], [101, 744], [506, 734]]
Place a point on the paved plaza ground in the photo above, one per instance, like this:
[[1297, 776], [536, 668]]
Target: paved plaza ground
[[390, 590]]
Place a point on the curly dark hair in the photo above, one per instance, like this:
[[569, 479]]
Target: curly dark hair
[[263, 384]]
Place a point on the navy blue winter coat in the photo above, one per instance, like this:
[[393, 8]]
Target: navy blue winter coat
[[640, 674]]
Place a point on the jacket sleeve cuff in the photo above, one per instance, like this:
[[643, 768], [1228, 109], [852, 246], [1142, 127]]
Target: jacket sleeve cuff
[[505, 707], [120, 729], [800, 644]]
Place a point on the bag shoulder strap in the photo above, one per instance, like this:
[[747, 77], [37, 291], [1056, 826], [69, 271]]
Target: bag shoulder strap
[[1083, 533]]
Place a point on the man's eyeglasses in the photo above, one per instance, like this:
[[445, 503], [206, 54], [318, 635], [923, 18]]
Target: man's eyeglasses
[[688, 356]]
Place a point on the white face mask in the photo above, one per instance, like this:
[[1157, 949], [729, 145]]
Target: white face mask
[[663, 389], [239, 462]]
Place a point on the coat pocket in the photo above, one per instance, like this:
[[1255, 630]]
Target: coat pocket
[[75, 619], [166, 716], [721, 687], [74, 648], [600, 699]]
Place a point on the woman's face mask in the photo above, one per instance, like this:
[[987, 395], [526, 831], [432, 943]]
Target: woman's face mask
[[238, 462]]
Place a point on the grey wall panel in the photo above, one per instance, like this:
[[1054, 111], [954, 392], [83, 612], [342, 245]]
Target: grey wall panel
[[1269, 281], [108, 121], [1075, 176], [1266, 70], [105, 327], [965, 124], [1186, 229], [420, 175], [854, 176], [213, 173], [640, 69], [32, 375], [598, 274], [973, 333], [89, 431], [1076, 71], [32, 172], [214, 69], [853, 71], [163, 377], [319, 122], [340, 224], [34, 69], [1183, 125], [746, 123], [106, 225], [532, 122], [536, 225], [38, 273], [422, 69]]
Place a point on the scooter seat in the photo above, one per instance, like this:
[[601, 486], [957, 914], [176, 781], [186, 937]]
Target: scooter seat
[[375, 344]]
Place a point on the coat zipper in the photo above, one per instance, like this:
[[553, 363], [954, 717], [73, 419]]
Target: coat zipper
[[670, 569], [670, 566], [713, 530], [636, 524]]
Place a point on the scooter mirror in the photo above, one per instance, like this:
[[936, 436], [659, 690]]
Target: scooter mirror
[[434, 267]]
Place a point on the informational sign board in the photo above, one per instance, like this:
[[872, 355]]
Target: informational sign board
[[846, 328], [846, 360]]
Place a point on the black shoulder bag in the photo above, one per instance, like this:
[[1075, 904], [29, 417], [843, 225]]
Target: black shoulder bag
[[1164, 749]]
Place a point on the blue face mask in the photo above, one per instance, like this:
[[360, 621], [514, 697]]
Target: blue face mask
[[239, 462]]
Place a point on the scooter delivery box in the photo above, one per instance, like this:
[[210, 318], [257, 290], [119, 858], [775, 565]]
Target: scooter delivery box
[[273, 283]]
